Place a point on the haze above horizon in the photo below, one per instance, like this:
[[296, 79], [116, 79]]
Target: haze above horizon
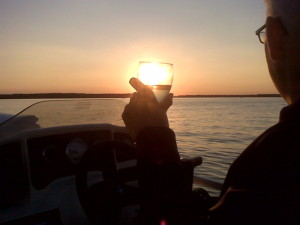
[[94, 46]]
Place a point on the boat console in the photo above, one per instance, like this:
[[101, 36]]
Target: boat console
[[70, 162], [38, 170]]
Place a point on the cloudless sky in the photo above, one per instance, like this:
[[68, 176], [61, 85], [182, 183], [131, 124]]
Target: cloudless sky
[[94, 46]]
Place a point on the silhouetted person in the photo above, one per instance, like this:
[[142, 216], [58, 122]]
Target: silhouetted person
[[262, 185]]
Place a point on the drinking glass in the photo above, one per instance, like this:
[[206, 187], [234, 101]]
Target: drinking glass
[[158, 76]]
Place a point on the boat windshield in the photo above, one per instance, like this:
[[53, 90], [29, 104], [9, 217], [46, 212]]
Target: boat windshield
[[55, 113]]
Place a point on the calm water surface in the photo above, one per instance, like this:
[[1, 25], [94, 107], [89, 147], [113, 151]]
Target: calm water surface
[[218, 129]]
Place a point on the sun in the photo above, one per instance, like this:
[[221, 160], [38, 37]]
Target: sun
[[154, 73]]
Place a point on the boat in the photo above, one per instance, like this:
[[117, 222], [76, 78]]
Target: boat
[[60, 160]]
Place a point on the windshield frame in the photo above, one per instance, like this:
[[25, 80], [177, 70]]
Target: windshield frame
[[65, 112]]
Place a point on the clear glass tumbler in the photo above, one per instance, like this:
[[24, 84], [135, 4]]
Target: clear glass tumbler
[[158, 76]]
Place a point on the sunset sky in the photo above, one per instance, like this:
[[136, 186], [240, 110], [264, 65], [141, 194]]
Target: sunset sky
[[94, 46]]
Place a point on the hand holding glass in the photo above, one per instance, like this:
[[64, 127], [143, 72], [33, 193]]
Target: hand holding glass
[[158, 76]]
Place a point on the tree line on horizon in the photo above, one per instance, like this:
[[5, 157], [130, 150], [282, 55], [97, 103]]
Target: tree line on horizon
[[126, 95]]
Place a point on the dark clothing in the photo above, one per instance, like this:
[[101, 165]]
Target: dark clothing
[[272, 161], [264, 179], [165, 181]]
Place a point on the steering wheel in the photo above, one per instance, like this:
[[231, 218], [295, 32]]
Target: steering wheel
[[103, 202]]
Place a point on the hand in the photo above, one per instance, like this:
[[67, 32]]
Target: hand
[[143, 109]]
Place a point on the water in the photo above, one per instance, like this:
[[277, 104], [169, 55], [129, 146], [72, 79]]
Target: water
[[218, 129], [161, 91], [13, 106]]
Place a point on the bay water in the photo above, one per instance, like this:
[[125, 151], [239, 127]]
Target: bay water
[[217, 129]]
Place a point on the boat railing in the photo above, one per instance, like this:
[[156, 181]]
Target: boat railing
[[207, 183]]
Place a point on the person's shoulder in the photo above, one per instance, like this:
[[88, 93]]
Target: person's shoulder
[[277, 146], [271, 145], [279, 134], [282, 134]]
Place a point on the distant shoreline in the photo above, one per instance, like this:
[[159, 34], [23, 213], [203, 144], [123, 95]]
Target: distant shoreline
[[221, 96], [127, 95]]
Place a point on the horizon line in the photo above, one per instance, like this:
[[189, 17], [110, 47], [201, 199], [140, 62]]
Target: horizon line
[[119, 95]]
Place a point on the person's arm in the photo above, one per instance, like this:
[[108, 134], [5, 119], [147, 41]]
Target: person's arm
[[157, 144], [165, 181], [147, 122]]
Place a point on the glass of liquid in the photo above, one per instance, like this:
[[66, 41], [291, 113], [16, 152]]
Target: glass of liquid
[[158, 76]]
